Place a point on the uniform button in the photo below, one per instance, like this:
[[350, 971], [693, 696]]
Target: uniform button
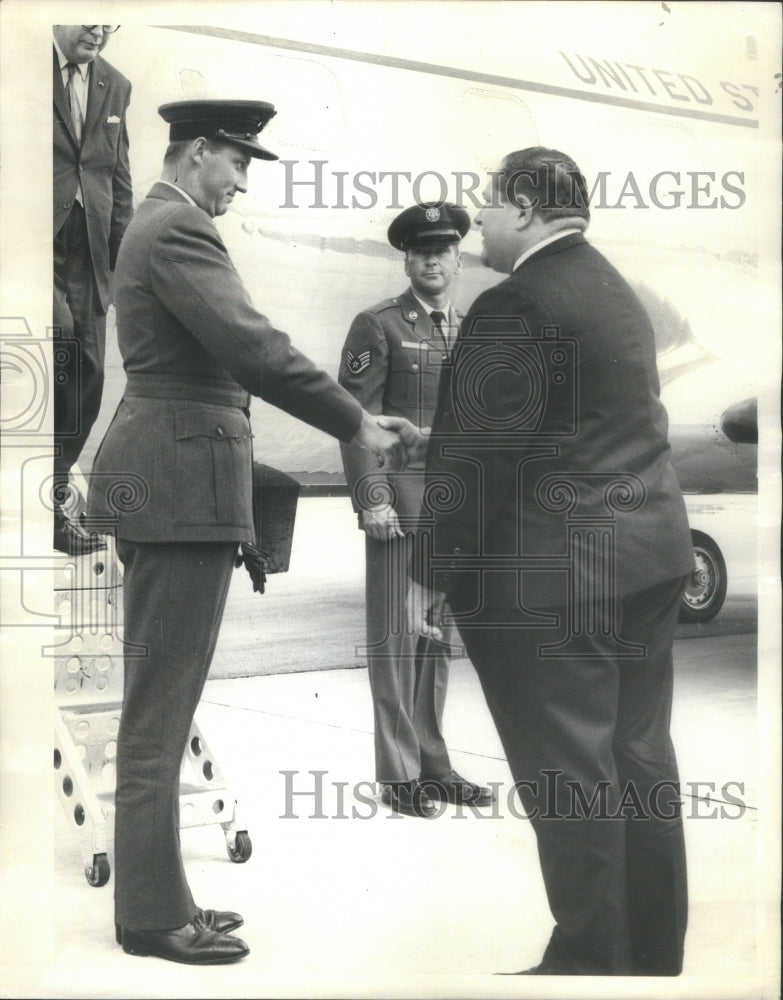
[[81, 167], [415, 367], [457, 550], [220, 431], [444, 357]]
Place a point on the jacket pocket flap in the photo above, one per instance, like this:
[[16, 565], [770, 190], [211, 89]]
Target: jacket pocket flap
[[212, 423]]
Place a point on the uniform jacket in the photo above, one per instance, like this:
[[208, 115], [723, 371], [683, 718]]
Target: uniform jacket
[[175, 464], [550, 435], [391, 363], [101, 163]]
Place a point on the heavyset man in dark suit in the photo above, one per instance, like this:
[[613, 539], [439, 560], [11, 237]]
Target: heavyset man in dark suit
[[172, 479], [92, 202], [391, 364], [558, 531]]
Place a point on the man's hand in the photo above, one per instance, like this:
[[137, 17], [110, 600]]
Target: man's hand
[[414, 438], [424, 609], [382, 523], [387, 445], [254, 564]]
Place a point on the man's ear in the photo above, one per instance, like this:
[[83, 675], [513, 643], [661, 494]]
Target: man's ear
[[525, 214], [198, 148], [406, 265]]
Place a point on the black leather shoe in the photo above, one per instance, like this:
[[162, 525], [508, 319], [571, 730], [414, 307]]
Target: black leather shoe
[[455, 789], [409, 799], [193, 944], [221, 921], [72, 539]]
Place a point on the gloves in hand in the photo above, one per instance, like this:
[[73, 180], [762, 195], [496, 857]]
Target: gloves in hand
[[254, 564]]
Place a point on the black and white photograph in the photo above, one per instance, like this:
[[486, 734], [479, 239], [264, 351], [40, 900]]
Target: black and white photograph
[[390, 499]]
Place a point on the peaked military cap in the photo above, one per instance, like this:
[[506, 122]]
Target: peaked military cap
[[237, 122], [431, 223]]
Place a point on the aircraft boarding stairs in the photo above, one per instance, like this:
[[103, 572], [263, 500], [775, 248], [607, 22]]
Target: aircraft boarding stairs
[[88, 652]]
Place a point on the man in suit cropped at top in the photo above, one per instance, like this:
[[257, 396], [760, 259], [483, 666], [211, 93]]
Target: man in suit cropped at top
[[172, 479], [92, 203], [391, 363], [563, 548]]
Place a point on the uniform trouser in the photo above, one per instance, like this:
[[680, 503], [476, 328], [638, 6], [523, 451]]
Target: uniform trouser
[[615, 876], [80, 350], [174, 595], [408, 674]]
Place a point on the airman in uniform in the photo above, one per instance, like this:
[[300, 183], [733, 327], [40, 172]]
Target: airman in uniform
[[391, 363]]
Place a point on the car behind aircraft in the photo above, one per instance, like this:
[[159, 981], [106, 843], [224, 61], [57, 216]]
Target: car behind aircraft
[[714, 439]]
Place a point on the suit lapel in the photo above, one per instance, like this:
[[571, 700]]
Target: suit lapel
[[60, 100], [97, 92]]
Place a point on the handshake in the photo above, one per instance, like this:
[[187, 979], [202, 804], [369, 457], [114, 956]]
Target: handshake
[[394, 440]]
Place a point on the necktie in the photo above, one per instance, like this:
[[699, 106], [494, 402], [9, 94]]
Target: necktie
[[439, 318], [73, 103]]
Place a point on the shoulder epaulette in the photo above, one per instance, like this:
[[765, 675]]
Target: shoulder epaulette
[[383, 306]]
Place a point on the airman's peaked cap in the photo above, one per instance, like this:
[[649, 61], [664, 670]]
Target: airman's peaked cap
[[236, 122], [430, 223]]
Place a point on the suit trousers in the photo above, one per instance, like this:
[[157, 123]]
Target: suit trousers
[[408, 673], [587, 740], [174, 596], [80, 349]]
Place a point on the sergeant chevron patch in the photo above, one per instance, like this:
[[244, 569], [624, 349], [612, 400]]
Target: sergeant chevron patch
[[357, 363]]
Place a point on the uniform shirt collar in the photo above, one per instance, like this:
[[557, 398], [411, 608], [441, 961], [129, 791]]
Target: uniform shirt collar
[[430, 309], [176, 187], [543, 243], [83, 69]]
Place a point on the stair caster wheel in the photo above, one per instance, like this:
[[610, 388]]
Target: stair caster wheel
[[98, 873], [242, 848]]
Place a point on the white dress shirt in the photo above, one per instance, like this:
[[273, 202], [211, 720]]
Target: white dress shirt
[[542, 243], [176, 187], [81, 79], [446, 310]]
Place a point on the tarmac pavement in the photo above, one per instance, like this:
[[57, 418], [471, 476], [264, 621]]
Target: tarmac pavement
[[341, 897]]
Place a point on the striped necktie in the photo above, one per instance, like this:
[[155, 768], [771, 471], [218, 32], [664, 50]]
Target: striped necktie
[[75, 107]]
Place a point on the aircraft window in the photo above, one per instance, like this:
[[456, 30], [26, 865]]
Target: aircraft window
[[492, 117]]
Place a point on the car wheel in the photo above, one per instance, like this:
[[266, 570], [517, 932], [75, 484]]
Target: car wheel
[[706, 590]]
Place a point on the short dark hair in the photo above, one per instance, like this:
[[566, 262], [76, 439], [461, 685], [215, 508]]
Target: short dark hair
[[176, 148], [547, 179]]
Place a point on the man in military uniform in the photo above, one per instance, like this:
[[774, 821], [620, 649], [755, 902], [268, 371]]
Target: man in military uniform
[[391, 364], [172, 479]]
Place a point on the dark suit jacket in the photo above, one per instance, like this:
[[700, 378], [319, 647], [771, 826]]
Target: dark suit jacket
[[550, 434], [193, 347], [101, 163], [391, 363]]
